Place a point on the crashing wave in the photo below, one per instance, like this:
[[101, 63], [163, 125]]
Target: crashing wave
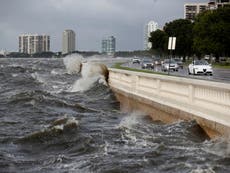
[[55, 129], [73, 63], [91, 72]]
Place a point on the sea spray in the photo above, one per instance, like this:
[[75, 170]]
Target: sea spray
[[91, 72], [73, 63], [128, 125], [83, 84], [132, 119]]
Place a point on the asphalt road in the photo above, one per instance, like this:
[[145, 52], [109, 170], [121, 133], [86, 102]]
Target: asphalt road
[[219, 75]]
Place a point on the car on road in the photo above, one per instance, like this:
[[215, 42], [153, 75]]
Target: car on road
[[136, 61], [179, 62], [157, 61], [147, 63], [200, 67], [169, 64]]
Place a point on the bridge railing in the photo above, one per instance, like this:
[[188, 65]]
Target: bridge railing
[[206, 99]]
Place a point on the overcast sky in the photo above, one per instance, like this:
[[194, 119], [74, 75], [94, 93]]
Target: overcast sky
[[91, 20]]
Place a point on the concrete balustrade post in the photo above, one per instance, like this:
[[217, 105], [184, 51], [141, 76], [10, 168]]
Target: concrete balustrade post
[[191, 94], [158, 86]]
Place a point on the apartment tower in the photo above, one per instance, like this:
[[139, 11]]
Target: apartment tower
[[109, 46], [192, 9], [68, 41], [150, 27], [34, 43]]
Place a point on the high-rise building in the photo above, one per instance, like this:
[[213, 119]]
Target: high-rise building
[[214, 4], [150, 27], [109, 45], [68, 41], [34, 43], [192, 9]]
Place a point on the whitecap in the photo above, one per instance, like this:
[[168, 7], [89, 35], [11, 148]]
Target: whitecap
[[14, 75], [38, 77]]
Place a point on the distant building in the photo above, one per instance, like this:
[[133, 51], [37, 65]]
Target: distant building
[[34, 43], [192, 9], [104, 46], [150, 27], [68, 41], [214, 4], [108, 45]]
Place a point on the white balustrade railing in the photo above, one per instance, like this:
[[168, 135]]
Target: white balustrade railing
[[207, 99]]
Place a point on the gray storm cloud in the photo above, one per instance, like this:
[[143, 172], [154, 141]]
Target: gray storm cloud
[[90, 19]]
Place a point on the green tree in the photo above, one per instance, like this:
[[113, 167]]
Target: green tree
[[212, 32], [43, 55], [158, 39], [182, 30], [18, 55]]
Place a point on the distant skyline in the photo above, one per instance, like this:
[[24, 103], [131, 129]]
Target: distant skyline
[[91, 20]]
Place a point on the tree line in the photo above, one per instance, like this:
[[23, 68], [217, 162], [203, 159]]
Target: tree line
[[48, 54], [35, 55], [208, 34]]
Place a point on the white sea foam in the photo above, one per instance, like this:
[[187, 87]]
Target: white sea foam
[[73, 63], [83, 84], [130, 131], [72, 120], [130, 120], [219, 146], [14, 75], [16, 65], [38, 77], [55, 87], [106, 148], [55, 72], [59, 127], [201, 170], [65, 123]]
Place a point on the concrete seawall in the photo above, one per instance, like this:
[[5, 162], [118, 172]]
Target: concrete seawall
[[169, 99]]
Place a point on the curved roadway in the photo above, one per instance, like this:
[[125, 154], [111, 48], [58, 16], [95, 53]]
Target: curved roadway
[[219, 75]]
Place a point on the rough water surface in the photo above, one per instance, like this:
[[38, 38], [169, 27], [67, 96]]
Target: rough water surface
[[46, 127]]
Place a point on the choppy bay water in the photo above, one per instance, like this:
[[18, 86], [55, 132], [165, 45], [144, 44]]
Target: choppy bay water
[[46, 127]]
